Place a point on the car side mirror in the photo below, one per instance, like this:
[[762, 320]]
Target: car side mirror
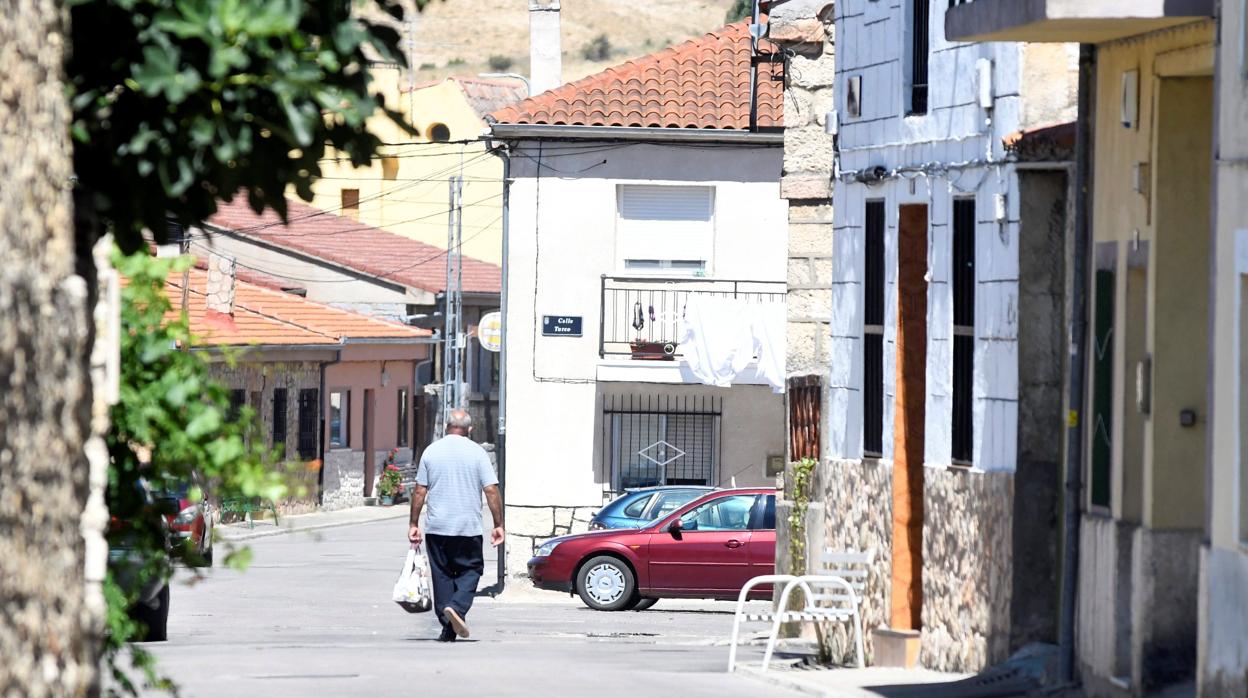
[[674, 528]]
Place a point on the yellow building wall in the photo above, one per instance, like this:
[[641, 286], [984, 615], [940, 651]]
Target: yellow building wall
[[406, 188], [1169, 492]]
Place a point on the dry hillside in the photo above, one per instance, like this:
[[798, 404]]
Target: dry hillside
[[458, 37]]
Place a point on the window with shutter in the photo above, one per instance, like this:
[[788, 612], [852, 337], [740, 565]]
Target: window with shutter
[[664, 229]]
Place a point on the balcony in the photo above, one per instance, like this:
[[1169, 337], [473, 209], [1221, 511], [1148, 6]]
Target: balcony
[[1063, 21], [639, 326]]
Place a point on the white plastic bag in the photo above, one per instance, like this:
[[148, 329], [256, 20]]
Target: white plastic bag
[[414, 590]]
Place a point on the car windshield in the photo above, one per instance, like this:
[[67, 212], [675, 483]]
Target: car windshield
[[730, 513], [667, 502]]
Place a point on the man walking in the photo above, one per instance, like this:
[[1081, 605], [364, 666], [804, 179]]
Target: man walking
[[453, 473]]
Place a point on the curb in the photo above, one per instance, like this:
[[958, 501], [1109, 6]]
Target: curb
[[780, 680], [252, 535]]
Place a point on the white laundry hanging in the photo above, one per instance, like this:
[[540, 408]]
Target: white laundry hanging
[[769, 331], [715, 339], [720, 337]]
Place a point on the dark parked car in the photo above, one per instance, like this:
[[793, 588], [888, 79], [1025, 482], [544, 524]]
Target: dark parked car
[[707, 548], [636, 508], [189, 521]]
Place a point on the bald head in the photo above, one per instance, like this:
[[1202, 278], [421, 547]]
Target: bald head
[[459, 422]]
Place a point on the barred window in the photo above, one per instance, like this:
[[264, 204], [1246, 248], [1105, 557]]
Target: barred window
[[661, 440], [963, 330], [309, 422], [873, 333], [279, 419]]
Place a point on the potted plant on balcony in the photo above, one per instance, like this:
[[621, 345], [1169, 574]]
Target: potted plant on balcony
[[648, 350]]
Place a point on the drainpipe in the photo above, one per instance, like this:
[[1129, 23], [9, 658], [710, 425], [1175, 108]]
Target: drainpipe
[[320, 411], [753, 67], [500, 449], [1078, 345]]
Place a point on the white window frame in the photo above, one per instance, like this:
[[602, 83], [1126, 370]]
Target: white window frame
[[679, 251]]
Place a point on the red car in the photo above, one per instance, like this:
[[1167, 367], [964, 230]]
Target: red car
[[708, 548]]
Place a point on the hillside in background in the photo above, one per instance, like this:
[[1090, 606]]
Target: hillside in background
[[459, 37]]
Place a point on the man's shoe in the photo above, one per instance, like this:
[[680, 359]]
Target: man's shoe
[[447, 635], [457, 622]]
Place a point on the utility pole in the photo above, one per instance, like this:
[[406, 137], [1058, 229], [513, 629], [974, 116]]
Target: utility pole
[[453, 308]]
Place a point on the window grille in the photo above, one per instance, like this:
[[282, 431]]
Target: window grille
[[963, 330], [873, 333], [279, 420], [661, 439], [309, 422], [920, 19], [237, 399], [805, 407]]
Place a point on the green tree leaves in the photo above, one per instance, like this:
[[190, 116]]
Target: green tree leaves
[[179, 103]]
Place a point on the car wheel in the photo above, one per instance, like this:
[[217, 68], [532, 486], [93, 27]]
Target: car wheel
[[606, 584], [645, 602], [156, 619]]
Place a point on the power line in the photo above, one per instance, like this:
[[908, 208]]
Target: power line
[[382, 275]]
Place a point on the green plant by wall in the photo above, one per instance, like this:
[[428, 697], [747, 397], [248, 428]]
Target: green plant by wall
[[802, 475], [171, 427]]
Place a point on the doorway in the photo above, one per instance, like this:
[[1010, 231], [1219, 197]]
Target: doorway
[[908, 430]]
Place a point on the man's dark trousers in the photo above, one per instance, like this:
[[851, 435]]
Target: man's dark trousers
[[456, 565]]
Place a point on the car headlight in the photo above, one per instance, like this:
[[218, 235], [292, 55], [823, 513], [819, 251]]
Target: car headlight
[[186, 516], [547, 548]]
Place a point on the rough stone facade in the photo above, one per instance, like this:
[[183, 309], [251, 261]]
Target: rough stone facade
[[342, 480], [46, 633], [259, 380], [967, 569], [805, 30], [858, 505], [530, 526]]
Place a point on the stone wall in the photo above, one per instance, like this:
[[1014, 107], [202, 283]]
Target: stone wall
[[802, 28], [967, 568], [1223, 618], [530, 526], [264, 377], [858, 506], [342, 480]]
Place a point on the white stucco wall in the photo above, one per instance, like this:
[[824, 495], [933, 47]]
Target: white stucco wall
[[932, 152], [562, 241]]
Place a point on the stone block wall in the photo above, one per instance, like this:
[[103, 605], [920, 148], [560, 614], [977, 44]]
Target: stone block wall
[[858, 506], [342, 480], [530, 526], [803, 28], [264, 377], [967, 568]]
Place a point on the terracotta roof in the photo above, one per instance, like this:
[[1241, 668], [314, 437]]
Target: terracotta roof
[[354, 245], [484, 95], [266, 316], [1053, 142], [702, 83]]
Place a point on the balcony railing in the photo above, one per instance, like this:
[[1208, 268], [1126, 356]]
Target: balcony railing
[[641, 315]]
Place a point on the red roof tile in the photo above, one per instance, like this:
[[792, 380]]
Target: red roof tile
[[355, 245], [702, 83], [265, 316]]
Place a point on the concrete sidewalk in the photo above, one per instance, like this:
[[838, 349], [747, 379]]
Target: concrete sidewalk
[[317, 520], [871, 682]]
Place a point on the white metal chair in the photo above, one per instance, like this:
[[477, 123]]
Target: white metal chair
[[743, 617], [835, 595]]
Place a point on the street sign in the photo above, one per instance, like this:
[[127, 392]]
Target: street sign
[[490, 331], [561, 325]]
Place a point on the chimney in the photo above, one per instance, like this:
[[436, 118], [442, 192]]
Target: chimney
[[220, 291], [545, 46]]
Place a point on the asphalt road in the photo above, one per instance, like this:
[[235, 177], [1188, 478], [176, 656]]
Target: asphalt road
[[312, 616]]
